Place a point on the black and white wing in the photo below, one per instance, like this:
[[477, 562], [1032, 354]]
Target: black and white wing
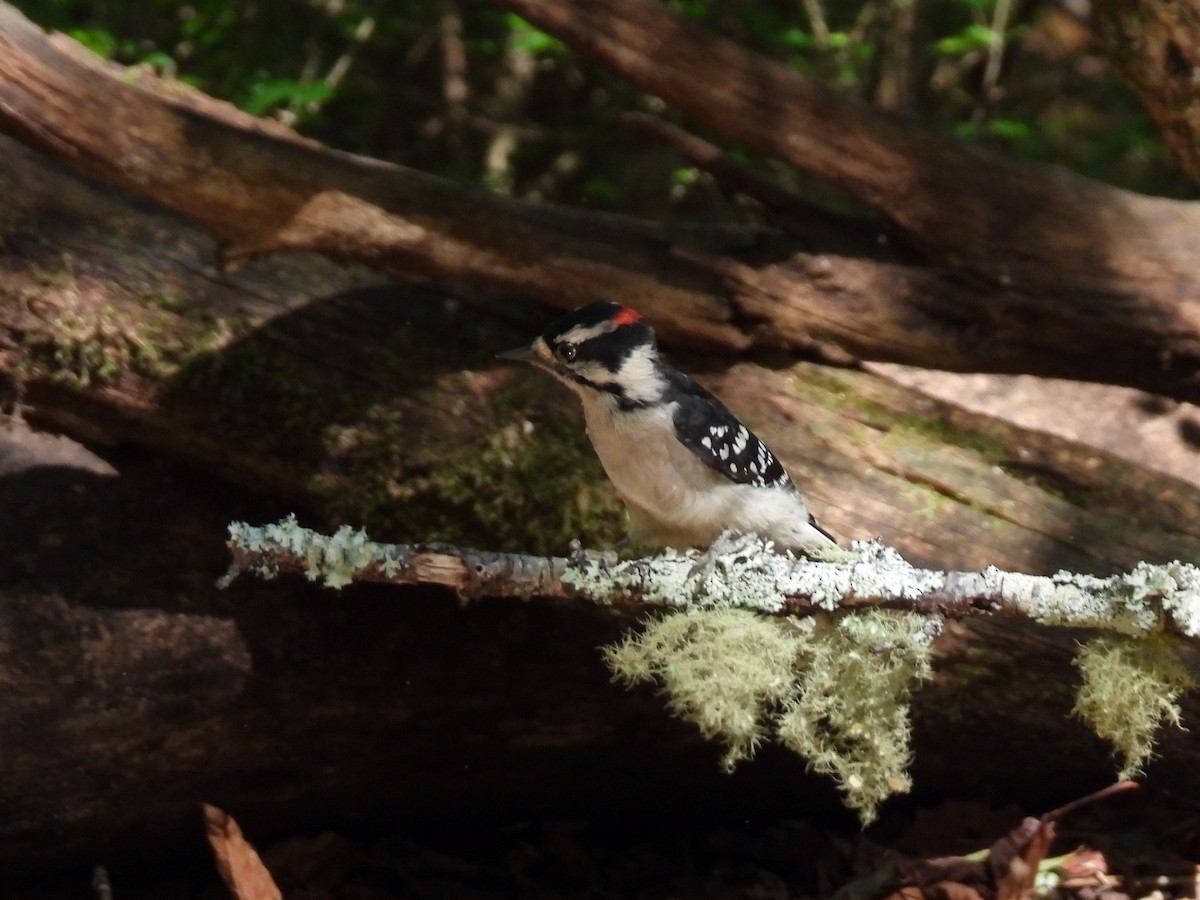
[[705, 426]]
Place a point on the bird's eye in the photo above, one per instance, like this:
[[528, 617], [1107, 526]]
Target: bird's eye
[[567, 352]]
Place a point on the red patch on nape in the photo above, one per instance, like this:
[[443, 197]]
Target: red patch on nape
[[626, 316]]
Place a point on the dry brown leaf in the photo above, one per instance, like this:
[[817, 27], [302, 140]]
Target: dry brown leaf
[[1007, 873], [1016, 857], [238, 862], [1084, 862]]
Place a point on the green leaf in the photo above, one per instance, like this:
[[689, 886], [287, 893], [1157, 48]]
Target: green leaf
[[523, 36], [267, 95], [966, 130], [696, 10], [600, 190], [686, 175], [798, 38], [1010, 129], [99, 41], [971, 38], [159, 61], [311, 92]]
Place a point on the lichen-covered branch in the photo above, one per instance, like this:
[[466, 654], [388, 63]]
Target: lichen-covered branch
[[347, 556], [741, 572], [835, 690]]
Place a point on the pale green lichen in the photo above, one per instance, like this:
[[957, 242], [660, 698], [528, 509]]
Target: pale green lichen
[[722, 669], [850, 717], [741, 572], [333, 559], [836, 694], [1182, 604], [1131, 687], [880, 571], [1083, 601], [1133, 603], [746, 572]]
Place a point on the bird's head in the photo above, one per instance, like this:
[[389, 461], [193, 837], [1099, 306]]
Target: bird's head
[[601, 351]]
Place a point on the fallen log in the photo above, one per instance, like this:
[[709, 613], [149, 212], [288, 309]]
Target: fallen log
[[1020, 268]]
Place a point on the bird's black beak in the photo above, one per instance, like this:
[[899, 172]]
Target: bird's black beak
[[520, 354]]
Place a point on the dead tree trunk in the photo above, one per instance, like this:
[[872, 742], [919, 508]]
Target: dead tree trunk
[[1018, 268], [331, 387]]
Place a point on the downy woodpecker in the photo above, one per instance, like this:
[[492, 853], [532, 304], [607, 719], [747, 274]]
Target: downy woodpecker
[[685, 467]]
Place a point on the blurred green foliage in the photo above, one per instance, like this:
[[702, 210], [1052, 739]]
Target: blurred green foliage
[[468, 91]]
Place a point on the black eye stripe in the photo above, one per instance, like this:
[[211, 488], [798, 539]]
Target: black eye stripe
[[614, 389], [567, 352]]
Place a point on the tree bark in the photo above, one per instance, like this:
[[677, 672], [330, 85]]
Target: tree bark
[[996, 239], [1156, 47], [331, 387]]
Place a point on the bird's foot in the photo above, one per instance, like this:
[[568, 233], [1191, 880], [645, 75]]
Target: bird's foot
[[604, 558], [714, 561]]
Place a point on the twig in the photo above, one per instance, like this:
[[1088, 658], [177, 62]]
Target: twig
[[995, 57], [1095, 797], [737, 571], [816, 21]]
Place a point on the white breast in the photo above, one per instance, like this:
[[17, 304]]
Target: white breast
[[644, 459], [673, 498]]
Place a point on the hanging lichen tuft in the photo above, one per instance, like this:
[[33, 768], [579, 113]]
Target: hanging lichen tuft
[[1131, 686]]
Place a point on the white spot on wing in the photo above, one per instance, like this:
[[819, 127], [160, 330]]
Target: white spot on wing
[[739, 442]]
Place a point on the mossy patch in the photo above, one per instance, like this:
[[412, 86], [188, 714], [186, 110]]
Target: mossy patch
[[851, 391], [70, 337], [68, 340], [873, 404], [502, 476], [255, 402]]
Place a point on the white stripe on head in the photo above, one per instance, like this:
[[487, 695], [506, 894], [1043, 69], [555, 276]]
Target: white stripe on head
[[639, 375], [581, 333]]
